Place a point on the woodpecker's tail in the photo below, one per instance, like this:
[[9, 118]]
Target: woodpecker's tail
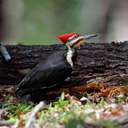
[[18, 88]]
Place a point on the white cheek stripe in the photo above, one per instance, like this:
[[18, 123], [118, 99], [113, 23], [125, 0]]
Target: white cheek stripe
[[71, 43]]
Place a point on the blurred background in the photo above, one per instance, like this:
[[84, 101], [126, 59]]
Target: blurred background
[[38, 22]]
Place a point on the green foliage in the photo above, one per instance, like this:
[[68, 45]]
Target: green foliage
[[16, 109], [61, 100], [79, 122], [5, 101], [108, 124], [120, 99], [43, 20], [72, 124]]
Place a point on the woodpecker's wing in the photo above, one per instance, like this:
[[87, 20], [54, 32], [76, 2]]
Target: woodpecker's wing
[[45, 74], [29, 78]]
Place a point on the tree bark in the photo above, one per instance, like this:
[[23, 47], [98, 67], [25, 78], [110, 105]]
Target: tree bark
[[94, 59]]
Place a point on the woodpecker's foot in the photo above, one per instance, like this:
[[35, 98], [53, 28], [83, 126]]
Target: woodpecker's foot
[[27, 99]]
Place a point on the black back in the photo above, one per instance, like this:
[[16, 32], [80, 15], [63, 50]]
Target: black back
[[48, 72]]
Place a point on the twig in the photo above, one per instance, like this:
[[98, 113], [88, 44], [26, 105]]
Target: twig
[[31, 120], [4, 52], [6, 123]]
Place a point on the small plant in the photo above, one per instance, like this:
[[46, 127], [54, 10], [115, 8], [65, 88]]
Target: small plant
[[61, 100], [108, 124], [5, 102], [17, 109]]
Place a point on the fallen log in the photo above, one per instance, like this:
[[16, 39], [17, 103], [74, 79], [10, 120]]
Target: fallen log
[[93, 58]]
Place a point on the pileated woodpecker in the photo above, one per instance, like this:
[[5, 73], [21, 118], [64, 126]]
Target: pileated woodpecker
[[56, 68]]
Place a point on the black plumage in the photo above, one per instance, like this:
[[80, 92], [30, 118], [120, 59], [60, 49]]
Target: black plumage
[[47, 73]]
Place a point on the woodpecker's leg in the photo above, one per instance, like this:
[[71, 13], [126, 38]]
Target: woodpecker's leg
[[27, 98]]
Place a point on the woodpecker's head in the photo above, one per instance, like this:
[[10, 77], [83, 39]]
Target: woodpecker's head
[[74, 39]]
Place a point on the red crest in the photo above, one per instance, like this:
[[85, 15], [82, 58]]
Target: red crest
[[65, 37]]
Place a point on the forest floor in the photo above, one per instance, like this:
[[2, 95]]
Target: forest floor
[[93, 107]]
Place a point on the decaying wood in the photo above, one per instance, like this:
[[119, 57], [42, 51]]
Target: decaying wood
[[94, 59]]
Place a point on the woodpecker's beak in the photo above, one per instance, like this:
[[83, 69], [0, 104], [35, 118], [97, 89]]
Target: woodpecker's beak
[[86, 37], [82, 39]]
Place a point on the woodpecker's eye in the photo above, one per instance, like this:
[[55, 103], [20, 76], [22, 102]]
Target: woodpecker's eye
[[72, 38], [75, 36]]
